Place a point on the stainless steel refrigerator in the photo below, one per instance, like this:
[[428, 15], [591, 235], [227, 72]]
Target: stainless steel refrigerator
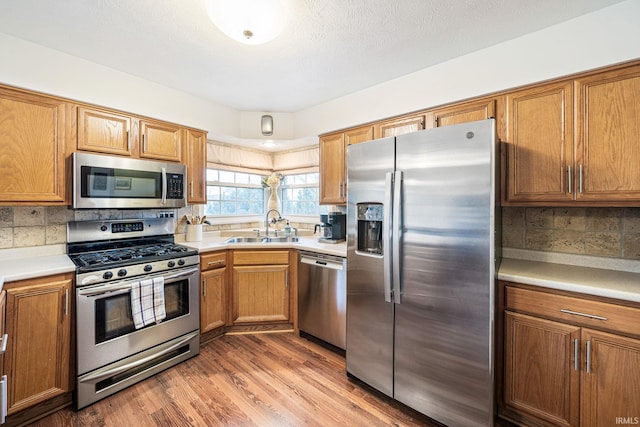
[[421, 266]]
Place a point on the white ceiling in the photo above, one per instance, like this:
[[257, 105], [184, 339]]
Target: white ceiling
[[329, 49]]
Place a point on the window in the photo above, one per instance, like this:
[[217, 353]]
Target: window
[[300, 195], [234, 193]]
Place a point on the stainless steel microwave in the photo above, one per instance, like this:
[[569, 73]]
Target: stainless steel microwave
[[119, 183]]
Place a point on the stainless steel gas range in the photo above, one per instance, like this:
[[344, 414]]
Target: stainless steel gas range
[[137, 306]]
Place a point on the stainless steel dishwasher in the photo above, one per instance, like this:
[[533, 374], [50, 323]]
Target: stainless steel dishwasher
[[322, 297]]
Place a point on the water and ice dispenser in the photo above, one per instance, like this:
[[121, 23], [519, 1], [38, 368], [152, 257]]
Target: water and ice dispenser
[[370, 216]]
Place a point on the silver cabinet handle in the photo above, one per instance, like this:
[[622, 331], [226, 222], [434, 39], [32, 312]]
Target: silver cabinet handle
[[144, 144], [588, 356], [191, 188], [66, 302], [577, 313], [569, 177], [3, 346], [580, 179], [128, 142], [576, 350], [220, 261], [204, 288], [286, 279], [3, 399]]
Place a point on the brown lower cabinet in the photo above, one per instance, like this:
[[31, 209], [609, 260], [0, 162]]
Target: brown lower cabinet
[[247, 291], [569, 360], [37, 361]]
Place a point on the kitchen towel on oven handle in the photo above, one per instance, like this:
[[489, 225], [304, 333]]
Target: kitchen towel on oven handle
[[147, 302]]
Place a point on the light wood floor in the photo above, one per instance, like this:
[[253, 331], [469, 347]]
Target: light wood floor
[[247, 380]]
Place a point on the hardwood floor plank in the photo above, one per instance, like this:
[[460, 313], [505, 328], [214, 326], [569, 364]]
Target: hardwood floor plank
[[257, 380]]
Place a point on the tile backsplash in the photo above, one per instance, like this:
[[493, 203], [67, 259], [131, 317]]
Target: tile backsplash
[[606, 232], [26, 226]]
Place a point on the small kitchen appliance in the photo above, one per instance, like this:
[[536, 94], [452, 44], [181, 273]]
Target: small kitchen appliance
[[332, 227], [114, 259]]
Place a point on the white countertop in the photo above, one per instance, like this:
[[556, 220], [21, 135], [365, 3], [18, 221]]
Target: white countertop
[[30, 262], [583, 274], [214, 241]]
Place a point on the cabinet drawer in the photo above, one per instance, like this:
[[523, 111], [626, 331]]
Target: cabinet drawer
[[210, 261], [260, 257], [574, 310]]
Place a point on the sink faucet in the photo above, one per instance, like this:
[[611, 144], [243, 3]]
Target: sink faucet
[[274, 220]]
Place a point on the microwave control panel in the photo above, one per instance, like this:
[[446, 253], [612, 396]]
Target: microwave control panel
[[175, 186]]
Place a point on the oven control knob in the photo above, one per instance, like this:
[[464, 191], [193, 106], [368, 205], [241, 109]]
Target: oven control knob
[[180, 262], [107, 275], [103, 228], [171, 264], [122, 272], [148, 267]]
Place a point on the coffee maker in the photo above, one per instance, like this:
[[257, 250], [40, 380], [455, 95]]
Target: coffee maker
[[332, 227]]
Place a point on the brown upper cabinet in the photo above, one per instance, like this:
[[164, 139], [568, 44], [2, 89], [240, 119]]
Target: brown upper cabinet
[[608, 137], [112, 132], [333, 150], [33, 132], [104, 131], [195, 157], [160, 140], [548, 163], [539, 144], [399, 126], [461, 113]]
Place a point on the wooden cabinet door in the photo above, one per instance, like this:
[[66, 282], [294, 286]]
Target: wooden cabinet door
[[610, 391], [461, 113], [399, 126], [104, 131], [38, 351], [541, 376], [332, 169], [213, 299], [195, 157], [608, 145], [160, 140], [539, 144], [358, 135], [32, 159], [260, 294]]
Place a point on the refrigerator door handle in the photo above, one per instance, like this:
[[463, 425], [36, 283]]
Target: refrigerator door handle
[[395, 235], [386, 235]]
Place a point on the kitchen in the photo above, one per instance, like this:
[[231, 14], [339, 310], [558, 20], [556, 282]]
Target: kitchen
[[609, 232]]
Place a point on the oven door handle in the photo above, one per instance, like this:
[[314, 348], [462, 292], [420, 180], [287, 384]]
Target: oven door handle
[[108, 372], [120, 286]]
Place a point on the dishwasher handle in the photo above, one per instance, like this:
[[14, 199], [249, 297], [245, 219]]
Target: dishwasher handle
[[323, 263]]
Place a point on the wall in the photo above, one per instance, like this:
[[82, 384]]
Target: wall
[[593, 40]]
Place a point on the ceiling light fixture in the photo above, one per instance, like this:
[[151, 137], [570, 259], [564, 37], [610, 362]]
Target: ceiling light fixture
[[248, 21]]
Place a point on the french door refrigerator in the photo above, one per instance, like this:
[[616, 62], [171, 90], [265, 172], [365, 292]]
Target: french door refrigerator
[[421, 265]]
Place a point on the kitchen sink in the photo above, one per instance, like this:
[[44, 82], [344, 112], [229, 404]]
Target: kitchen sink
[[281, 240], [263, 240]]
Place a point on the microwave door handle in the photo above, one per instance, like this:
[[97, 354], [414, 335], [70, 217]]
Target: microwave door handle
[[164, 186]]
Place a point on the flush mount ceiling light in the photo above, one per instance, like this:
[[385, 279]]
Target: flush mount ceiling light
[[248, 21]]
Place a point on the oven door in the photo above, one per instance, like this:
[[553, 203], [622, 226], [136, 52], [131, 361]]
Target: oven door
[[106, 332]]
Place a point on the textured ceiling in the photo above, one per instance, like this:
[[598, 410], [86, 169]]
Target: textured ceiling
[[329, 48]]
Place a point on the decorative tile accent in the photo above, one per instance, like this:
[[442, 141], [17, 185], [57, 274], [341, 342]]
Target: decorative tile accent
[[28, 216]]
